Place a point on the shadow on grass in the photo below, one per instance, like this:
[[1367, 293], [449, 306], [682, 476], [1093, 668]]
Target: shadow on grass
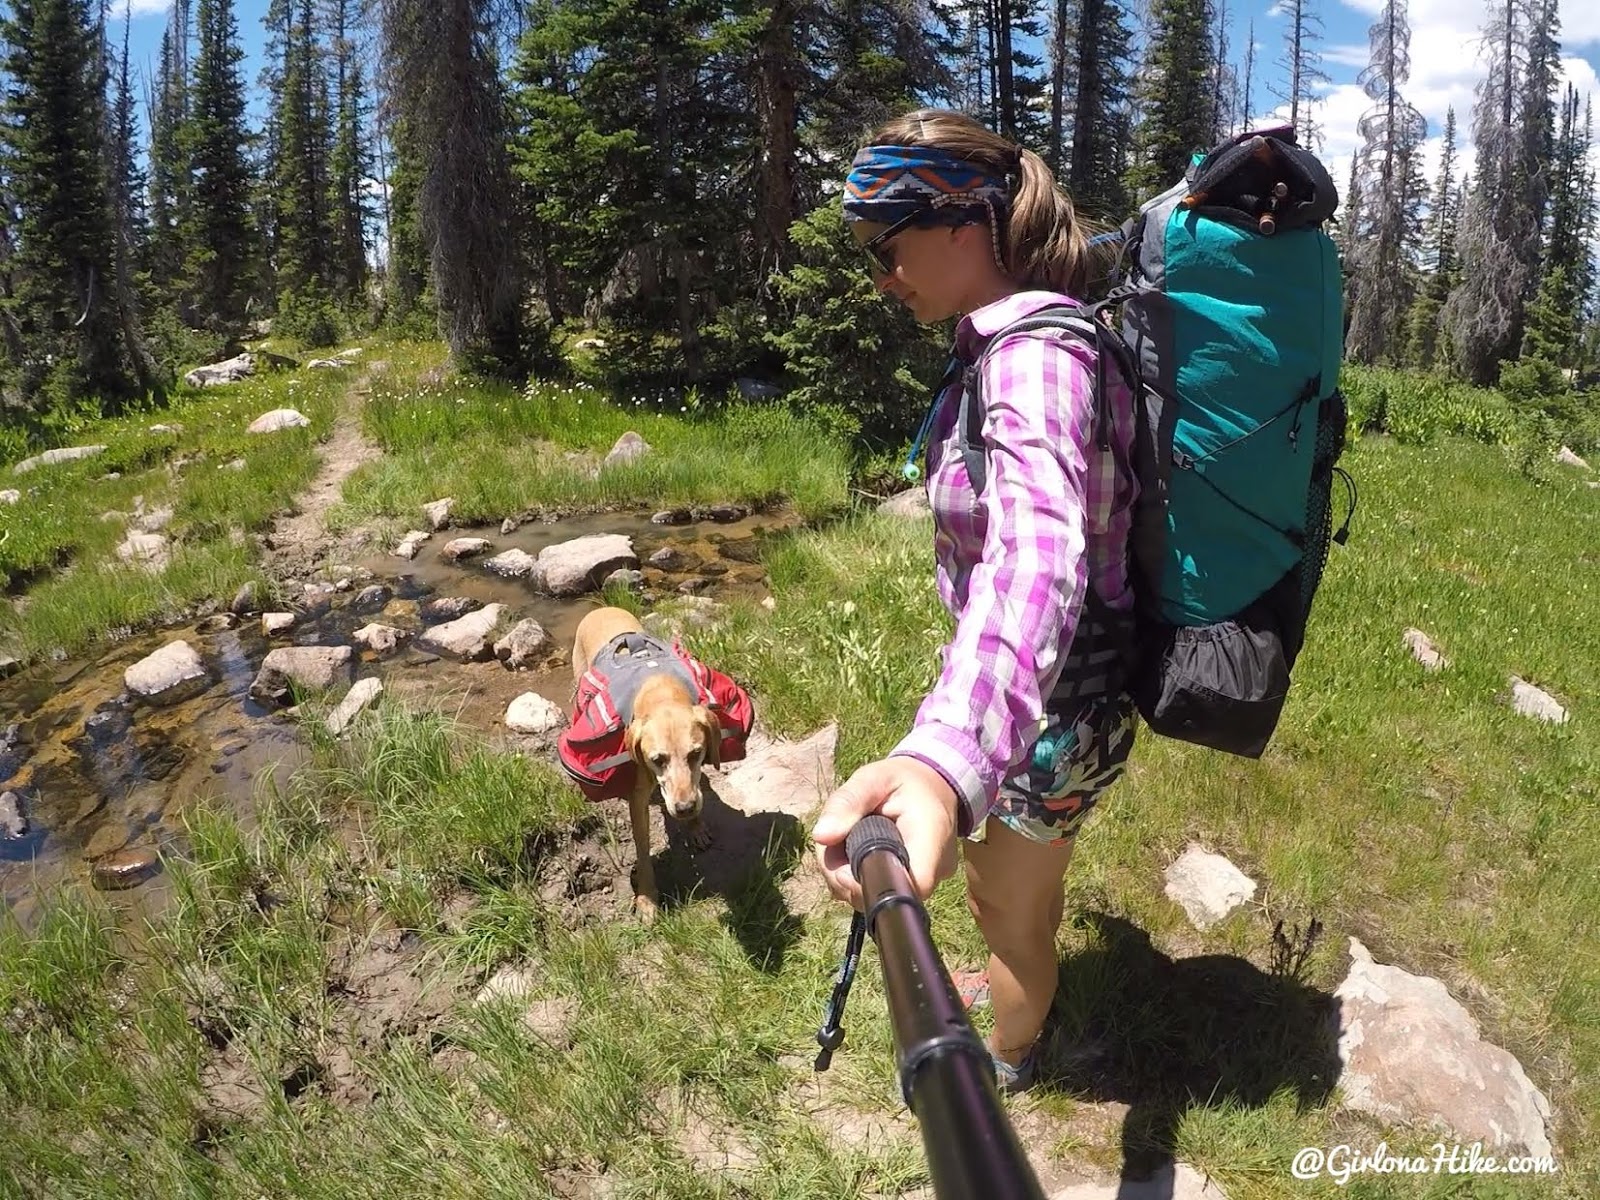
[[1164, 1036], [748, 857]]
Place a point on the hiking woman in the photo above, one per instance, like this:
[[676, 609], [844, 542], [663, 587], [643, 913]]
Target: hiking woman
[[1026, 726]]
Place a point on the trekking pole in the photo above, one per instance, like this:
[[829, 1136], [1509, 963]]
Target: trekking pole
[[946, 1075]]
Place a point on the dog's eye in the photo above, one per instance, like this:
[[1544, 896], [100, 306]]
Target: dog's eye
[[658, 760]]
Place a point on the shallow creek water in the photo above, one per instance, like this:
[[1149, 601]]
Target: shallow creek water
[[99, 773]]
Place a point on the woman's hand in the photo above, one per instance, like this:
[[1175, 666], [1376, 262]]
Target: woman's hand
[[911, 794]]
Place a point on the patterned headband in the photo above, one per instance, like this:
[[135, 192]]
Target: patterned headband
[[889, 183]]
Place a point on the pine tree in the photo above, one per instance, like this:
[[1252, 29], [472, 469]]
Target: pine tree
[[62, 265], [1175, 89], [125, 187], [445, 81], [1247, 97], [1555, 318], [1440, 257], [1100, 117], [1063, 76], [171, 180], [218, 237], [300, 185], [351, 160], [1302, 66], [1484, 314], [1385, 244]]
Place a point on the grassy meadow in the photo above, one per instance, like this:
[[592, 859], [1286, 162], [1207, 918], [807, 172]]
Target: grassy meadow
[[253, 1042]]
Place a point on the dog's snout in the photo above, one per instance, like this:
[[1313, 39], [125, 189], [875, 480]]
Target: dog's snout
[[686, 809]]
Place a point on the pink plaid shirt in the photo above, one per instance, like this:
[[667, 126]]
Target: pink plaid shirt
[[1013, 562]]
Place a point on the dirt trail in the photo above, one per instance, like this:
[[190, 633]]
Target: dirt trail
[[300, 542]]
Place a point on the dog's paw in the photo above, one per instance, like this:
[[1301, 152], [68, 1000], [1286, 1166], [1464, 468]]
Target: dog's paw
[[645, 908], [699, 837]]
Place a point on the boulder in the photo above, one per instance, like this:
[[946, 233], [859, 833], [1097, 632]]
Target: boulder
[[438, 512], [147, 550], [274, 623], [630, 447], [446, 608], [231, 370], [172, 674], [532, 714], [279, 418], [526, 644], [380, 639], [52, 458], [357, 698], [782, 776], [912, 503], [1423, 650], [411, 543], [308, 668], [513, 564], [10, 496], [13, 824], [467, 637], [1413, 1053], [466, 547], [574, 567], [1207, 886], [1529, 701]]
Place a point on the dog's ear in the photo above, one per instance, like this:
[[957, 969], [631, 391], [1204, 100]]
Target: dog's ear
[[631, 741], [712, 730]]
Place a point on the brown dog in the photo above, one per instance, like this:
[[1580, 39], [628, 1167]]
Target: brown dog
[[670, 737]]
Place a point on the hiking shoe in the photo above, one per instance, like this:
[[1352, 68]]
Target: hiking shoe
[[1011, 1080]]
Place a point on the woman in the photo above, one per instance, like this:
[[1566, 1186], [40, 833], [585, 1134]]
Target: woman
[[957, 222]]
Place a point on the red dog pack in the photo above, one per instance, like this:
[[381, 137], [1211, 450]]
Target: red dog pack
[[593, 749]]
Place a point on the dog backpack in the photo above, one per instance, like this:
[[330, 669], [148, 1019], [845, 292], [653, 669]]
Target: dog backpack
[[593, 750], [1231, 336]]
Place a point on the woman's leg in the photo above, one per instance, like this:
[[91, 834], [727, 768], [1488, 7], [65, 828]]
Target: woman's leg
[[1015, 890]]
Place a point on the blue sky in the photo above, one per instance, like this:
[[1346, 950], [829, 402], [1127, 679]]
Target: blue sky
[[1444, 58]]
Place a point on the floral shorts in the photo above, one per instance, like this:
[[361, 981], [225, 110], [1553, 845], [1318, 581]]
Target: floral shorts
[[1051, 806]]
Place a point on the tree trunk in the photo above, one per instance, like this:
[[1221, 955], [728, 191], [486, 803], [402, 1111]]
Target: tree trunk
[[776, 109]]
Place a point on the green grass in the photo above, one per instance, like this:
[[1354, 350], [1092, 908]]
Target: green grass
[[501, 450], [1413, 811], [61, 553]]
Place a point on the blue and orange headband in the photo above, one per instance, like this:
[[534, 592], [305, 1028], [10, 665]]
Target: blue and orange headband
[[889, 183]]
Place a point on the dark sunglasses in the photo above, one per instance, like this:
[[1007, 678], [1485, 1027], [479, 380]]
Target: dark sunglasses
[[880, 255]]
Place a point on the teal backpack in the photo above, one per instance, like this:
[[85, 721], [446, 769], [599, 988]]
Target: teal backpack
[[1231, 334]]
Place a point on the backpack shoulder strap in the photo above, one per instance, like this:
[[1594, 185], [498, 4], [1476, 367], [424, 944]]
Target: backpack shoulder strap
[[1081, 322]]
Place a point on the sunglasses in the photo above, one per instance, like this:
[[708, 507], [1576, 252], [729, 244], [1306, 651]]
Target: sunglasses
[[880, 255]]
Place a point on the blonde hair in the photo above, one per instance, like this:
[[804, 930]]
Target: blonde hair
[[1045, 244]]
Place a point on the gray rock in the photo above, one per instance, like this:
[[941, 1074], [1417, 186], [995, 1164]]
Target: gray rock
[[574, 567], [509, 525], [52, 458], [526, 644], [411, 543], [8, 666], [1567, 458], [122, 869], [467, 637], [630, 447], [327, 364], [147, 550], [1413, 1053], [1207, 886], [10, 496], [231, 370], [446, 608], [782, 776], [912, 503], [218, 623], [274, 623], [624, 578], [438, 512], [357, 698], [277, 419], [155, 520], [665, 558], [172, 674], [672, 516], [380, 639], [371, 598], [244, 600], [532, 714], [1529, 701], [725, 513], [1423, 650], [13, 824], [467, 547], [308, 668], [512, 564]]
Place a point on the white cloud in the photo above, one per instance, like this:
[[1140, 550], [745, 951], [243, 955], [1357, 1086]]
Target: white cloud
[[1446, 67], [143, 8]]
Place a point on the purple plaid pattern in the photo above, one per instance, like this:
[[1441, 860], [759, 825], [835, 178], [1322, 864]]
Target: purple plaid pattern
[[1012, 564]]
